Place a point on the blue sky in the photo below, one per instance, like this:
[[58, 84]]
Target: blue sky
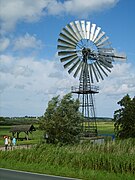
[[30, 70]]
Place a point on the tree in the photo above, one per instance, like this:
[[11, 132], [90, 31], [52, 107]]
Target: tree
[[125, 118], [2, 120], [62, 119]]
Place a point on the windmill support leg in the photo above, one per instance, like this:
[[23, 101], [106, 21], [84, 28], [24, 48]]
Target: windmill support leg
[[87, 108]]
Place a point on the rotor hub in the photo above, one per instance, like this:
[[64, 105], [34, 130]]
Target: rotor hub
[[86, 53]]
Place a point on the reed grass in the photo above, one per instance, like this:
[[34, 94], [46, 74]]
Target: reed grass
[[116, 157]]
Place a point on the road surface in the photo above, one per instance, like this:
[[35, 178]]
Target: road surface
[[7, 174]]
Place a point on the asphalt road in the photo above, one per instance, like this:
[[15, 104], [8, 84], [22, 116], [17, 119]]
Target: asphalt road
[[7, 174]]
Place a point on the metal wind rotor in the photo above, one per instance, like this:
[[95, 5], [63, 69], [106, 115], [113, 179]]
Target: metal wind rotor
[[82, 46]]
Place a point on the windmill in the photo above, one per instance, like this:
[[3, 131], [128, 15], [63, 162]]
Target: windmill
[[86, 52]]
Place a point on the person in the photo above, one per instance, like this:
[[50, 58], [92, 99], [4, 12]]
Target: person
[[9, 142], [46, 137], [6, 143], [14, 141]]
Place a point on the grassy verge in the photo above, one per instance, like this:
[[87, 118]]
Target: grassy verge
[[114, 160], [65, 171]]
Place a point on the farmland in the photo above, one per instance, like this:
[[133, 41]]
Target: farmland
[[37, 136]]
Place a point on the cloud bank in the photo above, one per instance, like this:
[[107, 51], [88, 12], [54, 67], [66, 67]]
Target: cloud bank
[[32, 82], [14, 11]]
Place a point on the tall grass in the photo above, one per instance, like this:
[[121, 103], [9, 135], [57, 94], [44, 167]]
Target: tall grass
[[112, 157]]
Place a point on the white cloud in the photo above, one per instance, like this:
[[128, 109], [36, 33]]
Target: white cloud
[[6, 63], [14, 11], [27, 41], [4, 43], [27, 84], [34, 75], [24, 42], [121, 81], [80, 7]]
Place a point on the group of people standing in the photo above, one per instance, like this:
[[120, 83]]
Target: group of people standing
[[9, 142]]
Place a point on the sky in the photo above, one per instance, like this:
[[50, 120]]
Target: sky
[[30, 70]]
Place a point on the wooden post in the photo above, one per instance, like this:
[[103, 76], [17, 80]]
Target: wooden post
[[17, 135], [27, 133]]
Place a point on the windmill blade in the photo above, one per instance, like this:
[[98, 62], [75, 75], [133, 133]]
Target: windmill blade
[[79, 29], [67, 58], [100, 75], [99, 37], [87, 30], [83, 28], [96, 33], [69, 28], [90, 72], [92, 31], [70, 62], [106, 54], [61, 47], [110, 53], [74, 66], [70, 35], [109, 59], [78, 69], [105, 62], [63, 53], [63, 42], [93, 69], [75, 50], [104, 66], [104, 45], [75, 30], [106, 50], [65, 37], [102, 41], [101, 68]]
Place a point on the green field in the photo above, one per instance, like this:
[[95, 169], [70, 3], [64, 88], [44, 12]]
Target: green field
[[37, 136], [105, 127]]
